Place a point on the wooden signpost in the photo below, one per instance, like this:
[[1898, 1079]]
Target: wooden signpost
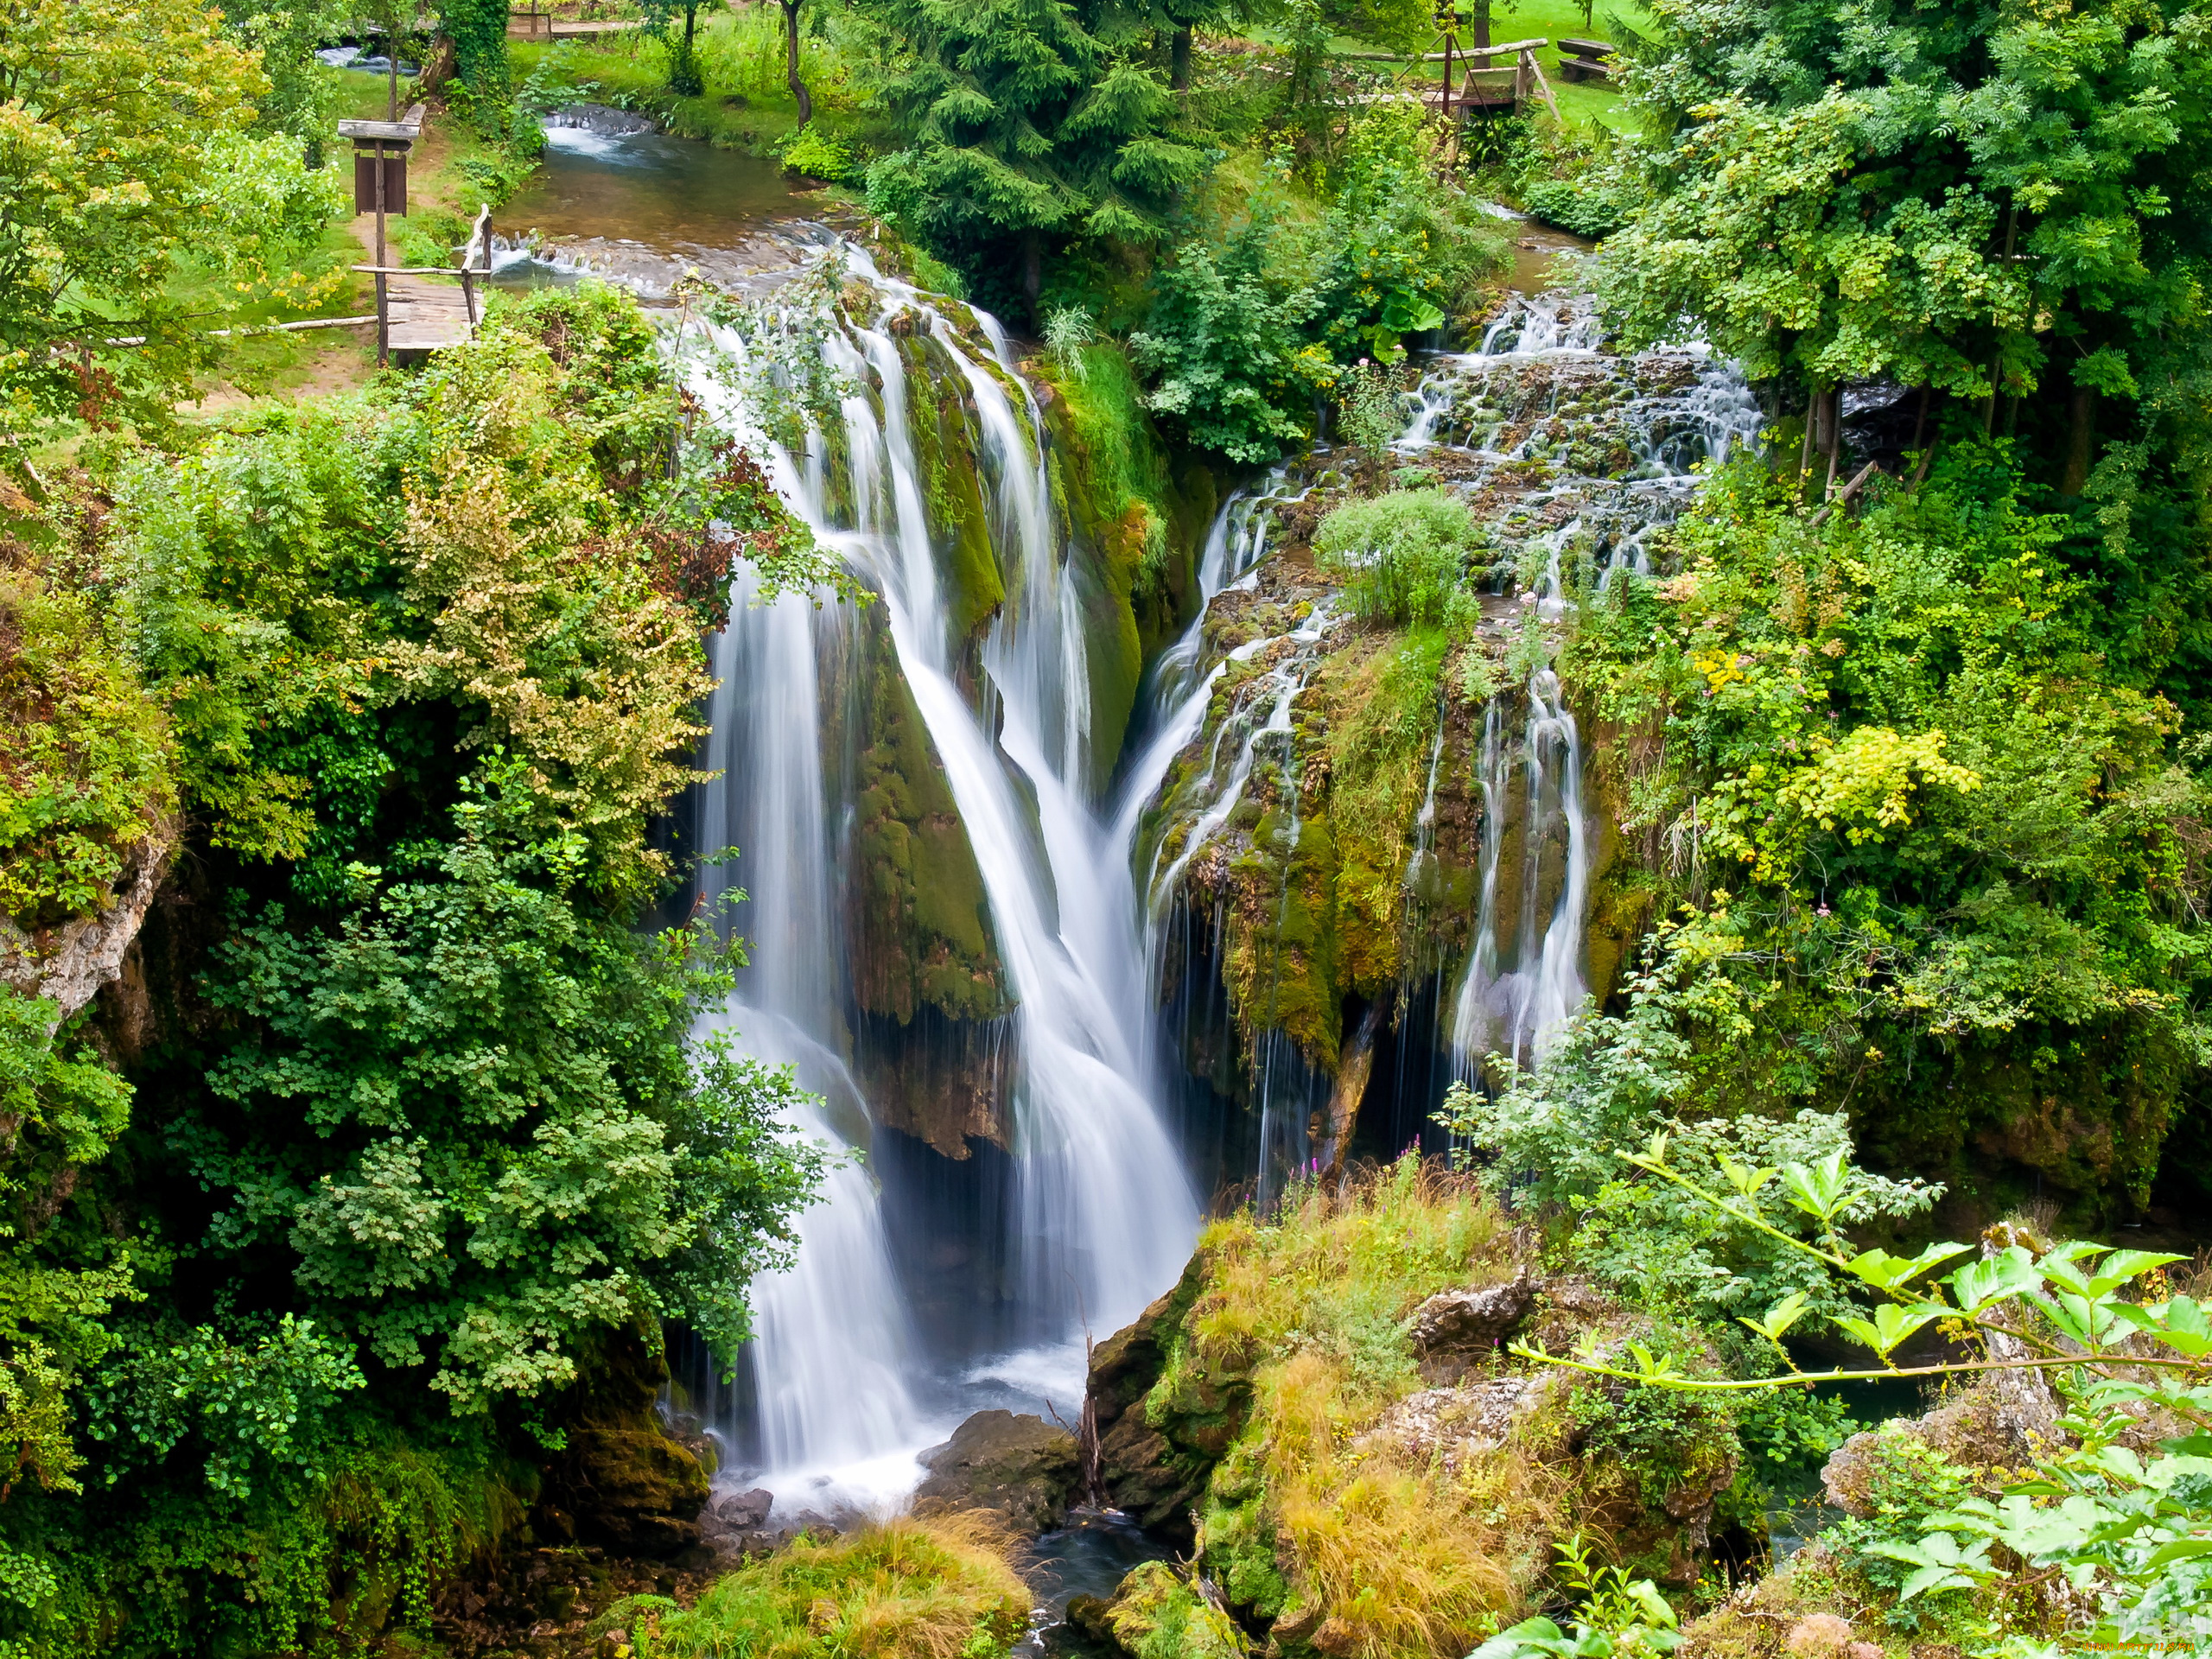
[[380, 150]]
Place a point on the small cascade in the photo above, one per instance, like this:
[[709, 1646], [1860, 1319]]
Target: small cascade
[[1574, 456], [1101, 1217], [1511, 1003]]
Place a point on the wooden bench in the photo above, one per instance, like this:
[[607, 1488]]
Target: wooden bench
[[1586, 60]]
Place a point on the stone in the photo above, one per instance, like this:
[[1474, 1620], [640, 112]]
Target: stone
[[742, 1511], [1147, 1479], [1818, 1636], [635, 1490], [1019, 1467], [1464, 1326], [1452, 1425]]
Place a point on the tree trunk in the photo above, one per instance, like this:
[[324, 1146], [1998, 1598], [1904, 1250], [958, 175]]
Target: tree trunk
[[1480, 27], [2081, 440], [1836, 438], [1033, 268], [1179, 60], [790, 62]]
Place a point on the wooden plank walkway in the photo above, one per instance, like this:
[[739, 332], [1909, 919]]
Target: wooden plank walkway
[[423, 310], [425, 316]]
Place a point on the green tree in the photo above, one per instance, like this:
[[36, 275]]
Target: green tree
[[2006, 205], [463, 1115], [1020, 126], [301, 98], [685, 78], [125, 157], [478, 29]]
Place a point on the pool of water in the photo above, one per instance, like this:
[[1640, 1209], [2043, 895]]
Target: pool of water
[[641, 207], [664, 192]]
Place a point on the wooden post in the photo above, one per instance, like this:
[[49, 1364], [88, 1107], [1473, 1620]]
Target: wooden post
[[1543, 87], [383, 310]]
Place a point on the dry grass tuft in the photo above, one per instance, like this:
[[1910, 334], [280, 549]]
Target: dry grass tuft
[[1409, 1561], [938, 1587]]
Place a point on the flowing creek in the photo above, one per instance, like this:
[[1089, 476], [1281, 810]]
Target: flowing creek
[[927, 1282]]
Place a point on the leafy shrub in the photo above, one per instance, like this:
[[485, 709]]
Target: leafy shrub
[[1225, 345], [1578, 205], [1400, 555], [938, 1587], [86, 754], [816, 154]]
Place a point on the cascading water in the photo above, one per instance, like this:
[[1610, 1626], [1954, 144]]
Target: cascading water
[[1576, 457], [1102, 1216]]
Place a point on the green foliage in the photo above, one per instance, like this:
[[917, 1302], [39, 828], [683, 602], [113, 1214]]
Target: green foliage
[[816, 154], [1615, 1618], [125, 155], [435, 1125], [1020, 122], [1226, 344], [2125, 1528], [63, 1108], [686, 77], [936, 1585], [1246, 327], [85, 755], [478, 29], [301, 98], [459, 1117], [1790, 1434], [1660, 1437], [1573, 204], [1401, 556], [1993, 202], [1897, 760], [252, 1408]]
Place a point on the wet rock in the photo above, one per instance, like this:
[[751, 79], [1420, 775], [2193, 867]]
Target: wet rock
[[744, 1509], [1021, 1467]]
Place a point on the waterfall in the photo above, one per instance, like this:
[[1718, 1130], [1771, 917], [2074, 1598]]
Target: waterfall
[[1102, 1217], [831, 1347], [1579, 456]]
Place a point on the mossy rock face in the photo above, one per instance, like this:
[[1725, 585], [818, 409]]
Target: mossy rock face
[[621, 1482], [947, 459], [1331, 891], [919, 922], [1157, 1613], [1154, 1460], [1134, 529]]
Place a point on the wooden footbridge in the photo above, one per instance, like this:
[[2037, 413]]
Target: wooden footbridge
[[419, 308]]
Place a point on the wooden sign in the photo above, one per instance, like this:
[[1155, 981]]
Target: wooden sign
[[395, 182]]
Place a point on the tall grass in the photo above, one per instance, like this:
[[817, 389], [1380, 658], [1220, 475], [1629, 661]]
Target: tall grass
[[1409, 1559], [939, 1588]]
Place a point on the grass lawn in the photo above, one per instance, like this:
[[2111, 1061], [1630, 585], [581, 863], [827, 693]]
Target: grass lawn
[[747, 106]]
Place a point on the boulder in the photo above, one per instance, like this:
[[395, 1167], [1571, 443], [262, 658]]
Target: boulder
[[1454, 1329], [742, 1511], [1019, 1467], [1452, 1426], [634, 1490]]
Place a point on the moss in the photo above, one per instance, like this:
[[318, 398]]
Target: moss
[[919, 921], [943, 1585], [946, 456], [1135, 526], [1156, 1614]]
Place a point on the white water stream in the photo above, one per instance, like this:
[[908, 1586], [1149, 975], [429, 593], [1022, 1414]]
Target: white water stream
[[1102, 1216]]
